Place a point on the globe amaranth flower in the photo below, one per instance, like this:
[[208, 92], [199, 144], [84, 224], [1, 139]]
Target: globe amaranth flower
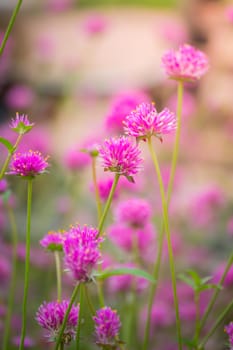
[[229, 330], [145, 122], [50, 317], [119, 155], [21, 124], [107, 327], [53, 241], [28, 164], [81, 252], [187, 64]]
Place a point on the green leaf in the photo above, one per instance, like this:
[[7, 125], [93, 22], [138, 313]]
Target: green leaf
[[206, 279], [209, 286], [125, 271], [196, 278], [7, 144], [187, 280], [190, 343]]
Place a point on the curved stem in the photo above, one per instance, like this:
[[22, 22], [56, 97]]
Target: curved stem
[[58, 274], [89, 303], [72, 300], [168, 236], [108, 204], [13, 278], [80, 315], [216, 292], [27, 264], [97, 194], [7, 161], [215, 326], [177, 139], [10, 26]]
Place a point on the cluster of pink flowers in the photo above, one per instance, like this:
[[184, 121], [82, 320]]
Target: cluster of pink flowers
[[107, 327], [229, 330], [28, 164], [53, 241]]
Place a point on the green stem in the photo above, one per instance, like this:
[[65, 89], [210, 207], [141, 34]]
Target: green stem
[[27, 264], [177, 139], [97, 194], [168, 235], [108, 204], [72, 300], [215, 326], [13, 277], [216, 293], [89, 303], [58, 273], [7, 161], [153, 288], [197, 323], [10, 26], [80, 315]]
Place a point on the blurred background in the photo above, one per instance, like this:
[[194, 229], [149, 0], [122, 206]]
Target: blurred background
[[68, 65]]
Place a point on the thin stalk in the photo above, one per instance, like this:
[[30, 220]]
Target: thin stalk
[[197, 323], [7, 161], [72, 300], [168, 235], [58, 274], [216, 293], [27, 264], [96, 188], [10, 26], [108, 204], [89, 303], [13, 277], [61, 346], [81, 300], [216, 324], [177, 139]]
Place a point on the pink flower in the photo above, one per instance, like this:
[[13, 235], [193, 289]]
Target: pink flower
[[20, 97], [188, 63], [53, 241], [3, 186], [28, 342], [50, 317], [81, 252], [95, 24], [229, 330], [28, 164], [107, 327], [121, 106], [21, 124], [145, 122], [76, 160], [104, 186], [119, 155], [229, 13]]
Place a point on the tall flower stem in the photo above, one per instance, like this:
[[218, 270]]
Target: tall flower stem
[[108, 204], [58, 274], [13, 277], [157, 264], [197, 323], [7, 161], [72, 300], [81, 300], [168, 236], [89, 303], [96, 189], [216, 293], [216, 324], [10, 26], [27, 264]]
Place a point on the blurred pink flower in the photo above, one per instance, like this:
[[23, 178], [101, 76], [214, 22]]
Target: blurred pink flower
[[189, 104], [95, 24], [76, 160], [228, 282], [121, 105], [173, 32], [230, 227], [229, 13], [28, 342], [59, 5], [104, 186], [20, 97]]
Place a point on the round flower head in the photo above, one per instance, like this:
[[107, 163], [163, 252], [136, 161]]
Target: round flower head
[[145, 122], [81, 252], [187, 64], [119, 155], [53, 241], [50, 317], [229, 330], [21, 124], [107, 327], [28, 164]]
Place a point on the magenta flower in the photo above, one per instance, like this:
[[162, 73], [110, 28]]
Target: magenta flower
[[28, 164], [3, 186], [187, 64], [229, 330], [53, 241], [107, 327], [20, 97], [145, 122], [121, 105], [50, 317], [21, 124], [119, 155], [95, 24], [81, 252]]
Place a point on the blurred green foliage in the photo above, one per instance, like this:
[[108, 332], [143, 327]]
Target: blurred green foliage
[[153, 3]]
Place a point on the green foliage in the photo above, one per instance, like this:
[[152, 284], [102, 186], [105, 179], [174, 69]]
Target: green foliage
[[125, 271], [197, 283], [142, 3]]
